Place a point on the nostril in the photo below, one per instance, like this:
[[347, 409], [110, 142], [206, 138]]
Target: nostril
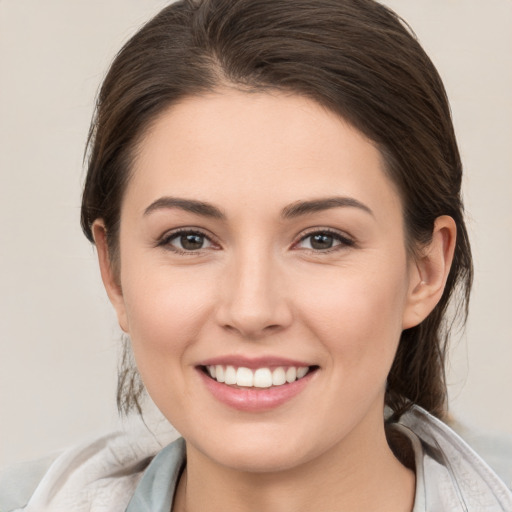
[[273, 327]]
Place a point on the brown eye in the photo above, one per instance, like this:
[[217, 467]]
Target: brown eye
[[187, 241], [324, 241], [191, 242]]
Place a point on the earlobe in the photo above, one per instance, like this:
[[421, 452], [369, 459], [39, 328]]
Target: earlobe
[[108, 273], [429, 272]]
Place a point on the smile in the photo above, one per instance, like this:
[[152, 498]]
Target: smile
[[256, 378], [253, 385]]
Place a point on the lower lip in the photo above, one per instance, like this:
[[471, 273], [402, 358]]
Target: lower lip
[[255, 399]]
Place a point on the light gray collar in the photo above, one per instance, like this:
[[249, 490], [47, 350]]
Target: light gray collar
[[450, 476]]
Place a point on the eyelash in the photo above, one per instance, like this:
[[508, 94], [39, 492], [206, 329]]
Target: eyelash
[[169, 237], [344, 240]]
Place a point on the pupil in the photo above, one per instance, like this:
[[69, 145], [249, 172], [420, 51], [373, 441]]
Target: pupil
[[321, 241], [191, 242]]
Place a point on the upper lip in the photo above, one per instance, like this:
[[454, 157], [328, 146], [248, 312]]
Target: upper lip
[[252, 362]]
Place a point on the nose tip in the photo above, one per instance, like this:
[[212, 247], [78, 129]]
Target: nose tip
[[254, 304], [251, 329], [253, 322], [254, 315]]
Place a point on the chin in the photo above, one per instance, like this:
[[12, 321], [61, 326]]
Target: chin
[[257, 459], [258, 452]]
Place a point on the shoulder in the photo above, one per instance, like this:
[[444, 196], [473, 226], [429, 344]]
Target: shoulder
[[450, 474], [100, 474], [495, 449], [19, 481]]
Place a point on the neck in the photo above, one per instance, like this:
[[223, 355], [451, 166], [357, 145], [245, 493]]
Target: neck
[[357, 475]]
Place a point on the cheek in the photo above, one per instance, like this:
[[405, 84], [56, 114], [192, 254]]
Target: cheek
[[357, 312], [166, 310]]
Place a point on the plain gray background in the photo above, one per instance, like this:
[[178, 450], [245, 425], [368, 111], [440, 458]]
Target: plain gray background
[[59, 339]]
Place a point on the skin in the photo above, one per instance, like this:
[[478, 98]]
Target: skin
[[257, 287]]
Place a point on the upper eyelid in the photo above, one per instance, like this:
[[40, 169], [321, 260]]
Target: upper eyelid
[[171, 234], [168, 235], [345, 242], [315, 230], [177, 231]]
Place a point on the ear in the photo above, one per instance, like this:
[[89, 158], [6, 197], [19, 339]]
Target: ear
[[429, 272], [109, 275]]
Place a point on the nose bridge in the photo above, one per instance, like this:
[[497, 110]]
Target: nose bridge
[[253, 300]]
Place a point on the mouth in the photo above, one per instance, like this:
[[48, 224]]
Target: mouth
[[256, 378], [256, 384]]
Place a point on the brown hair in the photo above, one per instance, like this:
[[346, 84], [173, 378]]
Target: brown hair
[[355, 57]]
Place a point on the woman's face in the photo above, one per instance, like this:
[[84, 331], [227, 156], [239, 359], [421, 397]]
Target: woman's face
[[259, 231]]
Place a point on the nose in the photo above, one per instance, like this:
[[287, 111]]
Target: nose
[[253, 297]]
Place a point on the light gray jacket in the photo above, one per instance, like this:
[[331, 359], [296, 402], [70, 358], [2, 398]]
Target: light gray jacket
[[121, 472]]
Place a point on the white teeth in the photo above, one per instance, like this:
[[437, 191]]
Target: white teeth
[[291, 374], [230, 375], [302, 371], [244, 377], [278, 377], [259, 378], [219, 373], [262, 378]]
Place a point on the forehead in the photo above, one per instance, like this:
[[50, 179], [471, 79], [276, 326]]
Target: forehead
[[252, 149]]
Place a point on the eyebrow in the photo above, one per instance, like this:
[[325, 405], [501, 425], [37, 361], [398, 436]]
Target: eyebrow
[[291, 211], [188, 205], [317, 205]]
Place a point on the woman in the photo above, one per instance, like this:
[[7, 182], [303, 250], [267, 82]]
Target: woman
[[274, 193]]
